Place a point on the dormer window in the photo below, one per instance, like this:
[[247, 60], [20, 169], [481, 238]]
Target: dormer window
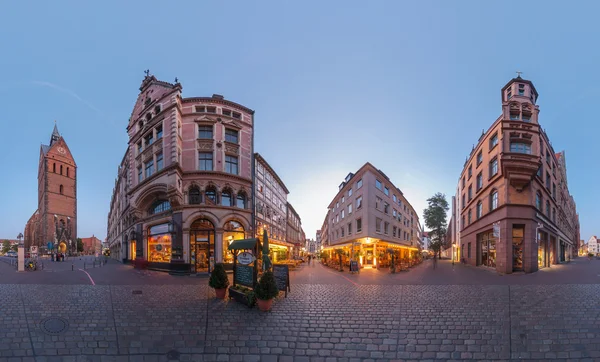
[[521, 89], [226, 112]]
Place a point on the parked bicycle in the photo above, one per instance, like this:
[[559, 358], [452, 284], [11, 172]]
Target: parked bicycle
[[31, 265]]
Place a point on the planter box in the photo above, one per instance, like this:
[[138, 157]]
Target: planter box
[[240, 297]]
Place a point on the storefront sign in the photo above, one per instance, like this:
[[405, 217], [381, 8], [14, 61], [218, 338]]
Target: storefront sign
[[281, 272], [497, 230], [244, 275], [245, 258]]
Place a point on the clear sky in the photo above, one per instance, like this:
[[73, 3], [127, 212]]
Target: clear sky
[[406, 85]]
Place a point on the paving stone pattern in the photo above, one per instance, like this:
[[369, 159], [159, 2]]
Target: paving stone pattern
[[314, 323]]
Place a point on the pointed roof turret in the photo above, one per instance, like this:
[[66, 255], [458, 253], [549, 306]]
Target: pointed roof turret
[[55, 135]]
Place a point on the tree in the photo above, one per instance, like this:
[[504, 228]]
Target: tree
[[15, 247], [79, 245], [5, 246], [435, 220]]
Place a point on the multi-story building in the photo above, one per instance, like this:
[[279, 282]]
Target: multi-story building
[[318, 240], [120, 224], [53, 226], [368, 216], [324, 231], [188, 179], [592, 245], [294, 232], [516, 212], [271, 209], [92, 245], [583, 248]]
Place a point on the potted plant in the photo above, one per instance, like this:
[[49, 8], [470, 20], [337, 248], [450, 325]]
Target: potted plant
[[219, 281], [266, 290]]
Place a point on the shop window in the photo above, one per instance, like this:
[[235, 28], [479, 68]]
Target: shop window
[[232, 230], [487, 243], [159, 244]]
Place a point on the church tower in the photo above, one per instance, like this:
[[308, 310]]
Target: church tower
[[55, 220]]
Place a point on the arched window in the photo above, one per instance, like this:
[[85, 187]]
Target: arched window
[[493, 200], [61, 169], [54, 167], [159, 206], [194, 196], [61, 189], [226, 197], [538, 200], [211, 195], [148, 116], [241, 200], [67, 172]]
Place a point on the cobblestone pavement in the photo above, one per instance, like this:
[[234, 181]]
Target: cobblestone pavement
[[320, 322]]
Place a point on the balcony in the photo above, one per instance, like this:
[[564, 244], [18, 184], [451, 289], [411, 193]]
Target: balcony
[[520, 168]]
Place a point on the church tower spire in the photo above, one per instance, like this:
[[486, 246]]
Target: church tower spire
[[55, 135]]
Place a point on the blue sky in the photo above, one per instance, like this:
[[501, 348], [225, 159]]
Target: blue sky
[[406, 85]]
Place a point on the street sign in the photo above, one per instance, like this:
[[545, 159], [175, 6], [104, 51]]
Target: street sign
[[245, 258]]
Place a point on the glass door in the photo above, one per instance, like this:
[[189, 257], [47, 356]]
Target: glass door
[[517, 241], [201, 249]]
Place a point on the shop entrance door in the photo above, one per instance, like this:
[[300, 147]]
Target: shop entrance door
[[517, 246], [369, 256], [201, 250]]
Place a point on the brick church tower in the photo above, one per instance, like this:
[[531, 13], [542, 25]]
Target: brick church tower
[[55, 219]]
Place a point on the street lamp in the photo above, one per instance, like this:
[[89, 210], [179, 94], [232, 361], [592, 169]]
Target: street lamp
[[20, 238]]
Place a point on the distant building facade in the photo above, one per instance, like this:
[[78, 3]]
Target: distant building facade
[[370, 215], [271, 209], [54, 222], [592, 245], [183, 190], [515, 183], [92, 245], [294, 232]]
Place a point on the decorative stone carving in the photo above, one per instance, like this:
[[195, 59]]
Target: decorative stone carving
[[205, 145], [232, 148]]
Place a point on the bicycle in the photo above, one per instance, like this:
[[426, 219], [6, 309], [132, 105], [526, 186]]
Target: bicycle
[[31, 265]]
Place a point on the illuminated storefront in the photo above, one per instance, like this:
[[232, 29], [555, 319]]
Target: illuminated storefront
[[371, 253], [202, 245], [487, 245], [159, 244], [232, 230]]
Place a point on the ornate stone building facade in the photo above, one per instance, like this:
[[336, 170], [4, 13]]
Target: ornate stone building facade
[[187, 178], [55, 220], [516, 212]]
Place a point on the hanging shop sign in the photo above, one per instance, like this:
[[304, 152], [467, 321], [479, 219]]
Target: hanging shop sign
[[245, 258]]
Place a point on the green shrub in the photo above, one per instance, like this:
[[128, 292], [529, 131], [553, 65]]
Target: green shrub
[[218, 278], [267, 287]]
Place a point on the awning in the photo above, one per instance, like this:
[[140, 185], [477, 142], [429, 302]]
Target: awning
[[243, 244]]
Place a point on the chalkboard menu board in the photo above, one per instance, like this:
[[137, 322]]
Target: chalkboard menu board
[[281, 272], [354, 266], [244, 275]]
